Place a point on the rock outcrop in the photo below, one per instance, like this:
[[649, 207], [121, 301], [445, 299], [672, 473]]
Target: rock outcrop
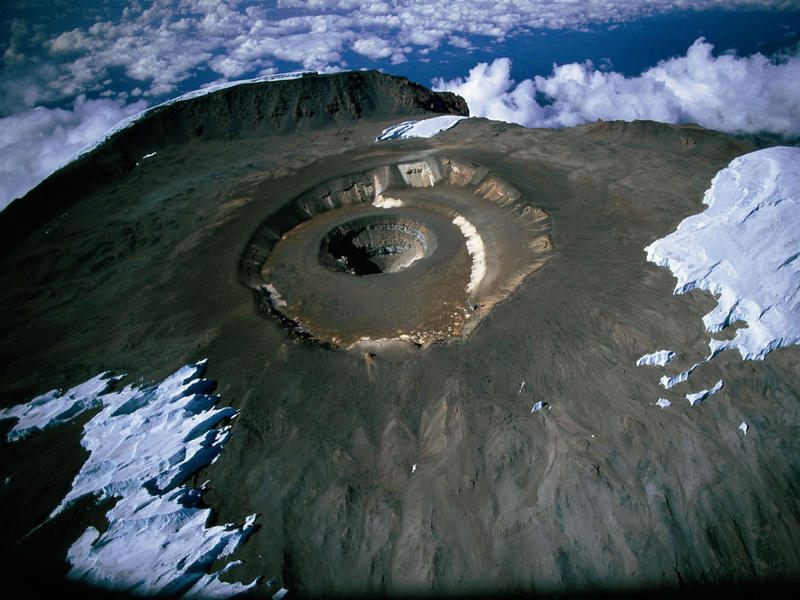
[[246, 111]]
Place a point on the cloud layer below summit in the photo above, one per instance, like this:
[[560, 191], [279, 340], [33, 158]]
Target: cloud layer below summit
[[727, 92], [157, 46]]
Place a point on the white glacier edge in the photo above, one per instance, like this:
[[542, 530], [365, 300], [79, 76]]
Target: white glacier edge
[[144, 443], [426, 128]]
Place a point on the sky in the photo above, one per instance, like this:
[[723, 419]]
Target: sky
[[71, 70]]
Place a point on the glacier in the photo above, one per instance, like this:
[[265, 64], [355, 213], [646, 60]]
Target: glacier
[[144, 443], [744, 250]]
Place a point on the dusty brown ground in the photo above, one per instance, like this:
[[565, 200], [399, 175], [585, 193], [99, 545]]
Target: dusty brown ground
[[601, 490]]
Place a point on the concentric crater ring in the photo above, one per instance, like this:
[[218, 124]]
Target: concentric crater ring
[[416, 252]]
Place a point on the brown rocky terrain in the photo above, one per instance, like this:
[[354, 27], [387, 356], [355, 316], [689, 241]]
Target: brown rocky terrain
[[135, 265]]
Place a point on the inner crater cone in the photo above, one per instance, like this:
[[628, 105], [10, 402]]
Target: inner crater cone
[[418, 251], [372, 245]]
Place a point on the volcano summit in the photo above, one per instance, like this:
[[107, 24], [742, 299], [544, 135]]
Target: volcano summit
[[437, 358]]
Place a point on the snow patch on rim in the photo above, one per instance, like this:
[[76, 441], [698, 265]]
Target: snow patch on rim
[[476, 250], [426, 128]]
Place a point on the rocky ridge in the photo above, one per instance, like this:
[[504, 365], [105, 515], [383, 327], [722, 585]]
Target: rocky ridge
[[246, 111]]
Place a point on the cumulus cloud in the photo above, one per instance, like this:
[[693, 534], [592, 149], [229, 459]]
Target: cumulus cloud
[[35, 143], [165, 42], [373, 47], [727, 92]]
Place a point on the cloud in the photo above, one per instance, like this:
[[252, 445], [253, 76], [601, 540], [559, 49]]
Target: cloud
[[151, 50], [35, 143], [373, 47], [166, 42], [490, 92], [727, 92]]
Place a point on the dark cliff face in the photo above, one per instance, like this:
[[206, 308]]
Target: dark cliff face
[[281, 107], [240, 112]]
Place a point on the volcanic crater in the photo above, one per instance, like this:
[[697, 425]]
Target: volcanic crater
[[417, 251], [404, 469]]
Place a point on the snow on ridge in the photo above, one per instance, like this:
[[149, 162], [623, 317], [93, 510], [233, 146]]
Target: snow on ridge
[[227, 84], [144, 444], [426, 128], [660, 358]]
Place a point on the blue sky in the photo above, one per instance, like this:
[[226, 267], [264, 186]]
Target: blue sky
[[71, 70]]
